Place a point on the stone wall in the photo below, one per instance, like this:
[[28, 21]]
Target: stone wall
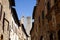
[[46, 19]]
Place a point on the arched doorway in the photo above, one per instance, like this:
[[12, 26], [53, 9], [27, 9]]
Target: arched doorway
[[41, 38], [1, 37], [51, 36], [59, 35]]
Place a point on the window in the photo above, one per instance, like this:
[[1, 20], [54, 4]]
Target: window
[[6, 25], [48, 6], [0, 10], [3, 21]]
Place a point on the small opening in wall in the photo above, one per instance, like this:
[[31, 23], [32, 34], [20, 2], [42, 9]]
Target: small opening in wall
[[41, 38], [59, 35], [1, 37], [9, 39], [51, 36]]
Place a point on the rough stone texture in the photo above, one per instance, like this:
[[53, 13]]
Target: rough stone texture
[[47, 28], [21, 34], [6, 25], [6, 10]]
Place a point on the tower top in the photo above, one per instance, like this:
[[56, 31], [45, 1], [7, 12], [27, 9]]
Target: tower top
[[22, 16], [22, 20]]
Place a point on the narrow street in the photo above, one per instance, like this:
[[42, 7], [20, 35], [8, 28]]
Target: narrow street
[[29, 19]]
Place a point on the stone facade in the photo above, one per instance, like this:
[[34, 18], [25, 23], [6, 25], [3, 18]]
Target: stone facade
[[4, 19], [21, 33], [10, 28], [21, 30], [46, 20]]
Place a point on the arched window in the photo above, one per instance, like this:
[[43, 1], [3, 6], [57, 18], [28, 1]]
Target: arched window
[[1, 37]]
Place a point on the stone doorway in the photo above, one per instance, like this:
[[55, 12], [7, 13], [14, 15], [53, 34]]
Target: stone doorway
[[59, 35], [51, 36], [1, 37], [41, 38]]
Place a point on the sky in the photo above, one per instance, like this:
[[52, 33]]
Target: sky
[[24, 7]]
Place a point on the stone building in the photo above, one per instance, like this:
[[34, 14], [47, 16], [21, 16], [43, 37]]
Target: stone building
[[37, 29], [28, 26], [22, 31], [9, 22], [46, 20], [5, 15], [1, 30], [10, 27], [15, 25]]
